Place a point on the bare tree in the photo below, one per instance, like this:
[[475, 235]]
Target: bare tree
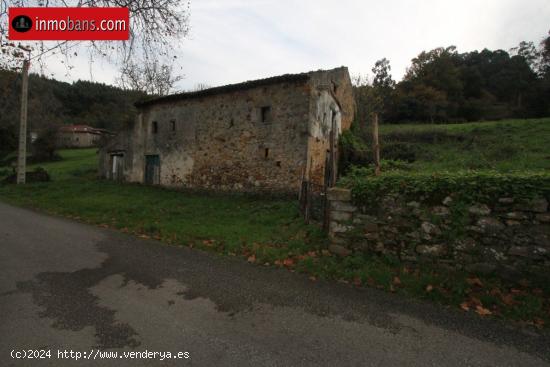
[[149, 77]]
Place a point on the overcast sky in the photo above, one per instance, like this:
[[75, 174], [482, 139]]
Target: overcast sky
[[237, 40]]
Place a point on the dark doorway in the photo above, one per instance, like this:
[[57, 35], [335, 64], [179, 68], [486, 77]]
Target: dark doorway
[[152, 170]]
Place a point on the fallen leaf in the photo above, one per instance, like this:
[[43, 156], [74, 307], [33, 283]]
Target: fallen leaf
[[312, 278], [475, 301], [495, 292], [252, 259], [208, 243], [465, 306], [288, 262], [429, 288], [396, 281], [508, 299], [474, 281], [480, 310]]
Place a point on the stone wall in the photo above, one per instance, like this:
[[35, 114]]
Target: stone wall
[[223, 139], [220, 141], [224, 144], [509, 237]]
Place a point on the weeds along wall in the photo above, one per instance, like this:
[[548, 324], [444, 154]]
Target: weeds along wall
[[481, 223]]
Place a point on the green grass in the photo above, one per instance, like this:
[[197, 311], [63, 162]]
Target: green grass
[[265, 231], [231, 221], [504, 146], [74, 163]]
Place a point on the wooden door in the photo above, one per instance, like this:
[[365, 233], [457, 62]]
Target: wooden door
[[117, 167], [152, 170]]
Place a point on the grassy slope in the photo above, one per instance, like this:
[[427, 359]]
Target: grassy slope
[[264, 231], [498, 145], [231, 220]]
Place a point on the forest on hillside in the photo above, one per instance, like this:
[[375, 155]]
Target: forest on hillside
[[53, 103], [443, 85]]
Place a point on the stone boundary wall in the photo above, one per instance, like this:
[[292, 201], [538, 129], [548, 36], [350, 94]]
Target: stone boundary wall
[[507, 237]]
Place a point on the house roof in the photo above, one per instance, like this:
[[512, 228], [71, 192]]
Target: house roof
[[302, 77], [79, 129]]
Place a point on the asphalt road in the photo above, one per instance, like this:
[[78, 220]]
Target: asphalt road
[[66, 286]]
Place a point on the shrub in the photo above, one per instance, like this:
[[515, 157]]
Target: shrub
[[39, 174], [386, 165], [44, 147], [485, 187], [353, 151], [399, 152]]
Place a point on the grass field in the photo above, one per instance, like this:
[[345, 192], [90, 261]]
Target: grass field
[[267, 231], [509, 145], [236, 221]]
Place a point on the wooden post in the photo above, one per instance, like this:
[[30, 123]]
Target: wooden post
[[22, 151], [333, 151], [375, 144], [331, 173]]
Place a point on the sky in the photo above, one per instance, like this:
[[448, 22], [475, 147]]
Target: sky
[[231, 41]]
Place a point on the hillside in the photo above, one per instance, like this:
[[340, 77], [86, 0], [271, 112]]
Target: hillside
[[505, 146], [52, 103]]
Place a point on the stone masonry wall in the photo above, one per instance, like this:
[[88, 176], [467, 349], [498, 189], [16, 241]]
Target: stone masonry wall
[[509, 237], [221, 142], [265, 135]]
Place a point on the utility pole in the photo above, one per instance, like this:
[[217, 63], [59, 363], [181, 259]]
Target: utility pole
[[376, 145], [22, 152]]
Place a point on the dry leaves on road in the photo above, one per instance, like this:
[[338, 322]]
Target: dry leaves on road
[[480, 310], [288, 262]]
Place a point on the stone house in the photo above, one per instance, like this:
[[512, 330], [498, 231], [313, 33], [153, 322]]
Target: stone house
[[78, 136], [270, 134]]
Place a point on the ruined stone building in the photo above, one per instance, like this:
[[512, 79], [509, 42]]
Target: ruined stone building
[[269, 134]]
